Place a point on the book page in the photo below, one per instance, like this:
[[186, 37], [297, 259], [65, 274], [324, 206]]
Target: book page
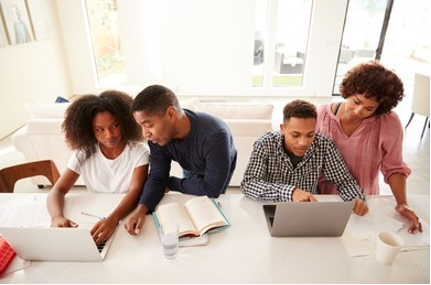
[[204, 214], [174, 212]]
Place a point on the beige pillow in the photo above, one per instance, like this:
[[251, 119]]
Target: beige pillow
[[189, 103], [236, 111], [40, 110]]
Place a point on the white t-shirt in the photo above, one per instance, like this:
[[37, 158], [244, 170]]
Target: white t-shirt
[[103, 175]]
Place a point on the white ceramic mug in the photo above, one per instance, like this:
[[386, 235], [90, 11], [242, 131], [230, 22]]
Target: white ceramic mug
[[387, 246]]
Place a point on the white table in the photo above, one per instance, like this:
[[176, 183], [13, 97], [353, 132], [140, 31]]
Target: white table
[[243, 253]]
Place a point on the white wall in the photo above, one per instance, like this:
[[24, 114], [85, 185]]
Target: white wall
[[36, 71], [73, 23], [194, 47], [200, 48], [327, 23]]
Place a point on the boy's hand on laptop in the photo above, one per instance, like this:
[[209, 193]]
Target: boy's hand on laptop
[[302, 196], [135, 222], [103, 229], [361, 208], [62, 222]]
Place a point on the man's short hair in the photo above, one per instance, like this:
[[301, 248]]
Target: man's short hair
[[299, 109], [154, 100]]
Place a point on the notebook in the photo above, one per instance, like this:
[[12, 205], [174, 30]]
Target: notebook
[[196, 217], [6, 255]]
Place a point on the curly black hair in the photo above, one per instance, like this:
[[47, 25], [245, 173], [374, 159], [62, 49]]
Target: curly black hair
[[376, 82], [299, 109], [79, 116]]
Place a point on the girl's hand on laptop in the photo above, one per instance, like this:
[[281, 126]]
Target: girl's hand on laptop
[[62, 222], [361, 208], [302, 196], [103, 229]]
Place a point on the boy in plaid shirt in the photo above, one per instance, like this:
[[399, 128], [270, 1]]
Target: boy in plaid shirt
[[285, 165]]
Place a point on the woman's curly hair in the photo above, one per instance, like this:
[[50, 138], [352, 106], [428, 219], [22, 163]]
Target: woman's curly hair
[[78, 126], [376, 82]]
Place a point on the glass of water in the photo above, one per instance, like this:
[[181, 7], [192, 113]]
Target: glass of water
[[169, 238]]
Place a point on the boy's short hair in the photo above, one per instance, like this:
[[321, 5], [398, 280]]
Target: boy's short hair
[[299, 109], [154, 100]]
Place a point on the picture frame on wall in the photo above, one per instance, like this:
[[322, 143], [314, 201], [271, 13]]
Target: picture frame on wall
[[4, 40], [40, 19], [17, 21]]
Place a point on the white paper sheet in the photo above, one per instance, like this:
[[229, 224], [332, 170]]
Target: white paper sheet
[[194, 241], [356, 246], [359, 237], [17, 264], [25, 214], [373, 222]]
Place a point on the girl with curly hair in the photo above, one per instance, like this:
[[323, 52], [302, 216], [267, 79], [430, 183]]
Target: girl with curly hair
[[109, 154], [369, 134]]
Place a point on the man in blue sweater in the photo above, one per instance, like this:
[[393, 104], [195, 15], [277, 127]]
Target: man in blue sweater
[[200, 143]]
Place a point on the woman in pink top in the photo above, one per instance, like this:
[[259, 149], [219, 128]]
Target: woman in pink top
[[368, 134]]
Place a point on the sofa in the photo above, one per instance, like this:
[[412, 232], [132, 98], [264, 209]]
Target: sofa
[[42, 137]]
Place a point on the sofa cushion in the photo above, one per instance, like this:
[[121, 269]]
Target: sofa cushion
[[45, 127], [38, 109], [249, 127], [236, 111], [61, 99], [188, 103]]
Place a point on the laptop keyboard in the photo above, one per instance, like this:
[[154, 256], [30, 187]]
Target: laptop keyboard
[[271, 221], [101, 246]]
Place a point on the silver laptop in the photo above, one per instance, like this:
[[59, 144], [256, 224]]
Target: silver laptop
[[56, 244], [308, 219]]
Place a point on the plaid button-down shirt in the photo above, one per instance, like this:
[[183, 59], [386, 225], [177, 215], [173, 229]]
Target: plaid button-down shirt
[[270, 175]]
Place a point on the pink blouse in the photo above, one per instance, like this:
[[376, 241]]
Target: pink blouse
[[376, 144]]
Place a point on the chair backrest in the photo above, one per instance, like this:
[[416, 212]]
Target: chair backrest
[[10, 175], [421, 95]]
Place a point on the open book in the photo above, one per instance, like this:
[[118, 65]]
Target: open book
[[196, 217]]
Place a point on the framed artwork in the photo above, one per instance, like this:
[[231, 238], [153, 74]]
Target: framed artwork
[[40, 19], [17, 21], [3, 36]]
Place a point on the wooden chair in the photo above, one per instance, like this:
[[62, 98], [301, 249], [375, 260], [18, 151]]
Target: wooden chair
[[10, 175]]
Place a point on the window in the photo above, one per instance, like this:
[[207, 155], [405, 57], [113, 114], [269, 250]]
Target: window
[[293, 24], [399, 29], [105, 36], [364, 21], [281, 35], [261, 24], [407, 42]]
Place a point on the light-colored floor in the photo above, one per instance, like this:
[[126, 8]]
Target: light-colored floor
[[416, 154]]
